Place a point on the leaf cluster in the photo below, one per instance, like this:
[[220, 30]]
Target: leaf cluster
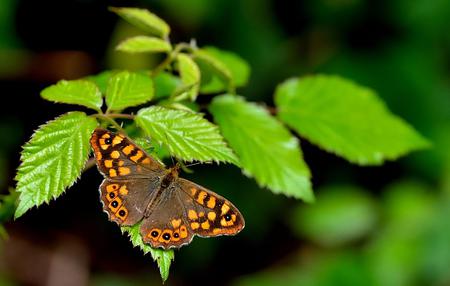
[[333, 113]]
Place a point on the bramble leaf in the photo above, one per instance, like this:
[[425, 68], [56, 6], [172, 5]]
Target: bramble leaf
[[346, 119], [266, 149], [127, 89], [144, 44], [81, 92], [190, 75], [165, 84], [101, 79], [143, 19], [162, 257], [53, 159], [222, 69], [187, 135]]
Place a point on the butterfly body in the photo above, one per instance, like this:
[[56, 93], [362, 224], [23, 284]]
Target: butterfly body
[[172, 209]]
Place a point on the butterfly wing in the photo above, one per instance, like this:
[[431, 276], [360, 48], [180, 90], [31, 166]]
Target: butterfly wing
[[187, 209], [131, 176]]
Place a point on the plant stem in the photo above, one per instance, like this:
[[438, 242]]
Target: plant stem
[[170, 57]]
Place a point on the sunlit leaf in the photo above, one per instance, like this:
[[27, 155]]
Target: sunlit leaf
[[266, 149], [127, 89], [190, 75], [165, 84], [346, 119], [187, 135], [53, 159], [144, 44], [222, 70], [81, 92], [144, 20]]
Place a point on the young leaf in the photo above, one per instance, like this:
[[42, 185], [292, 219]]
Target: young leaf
[[144, 44], [162, 257], [144, 20], [346, 119], [81, 92], [127, 89], [165, 84], [187, 135], [190, 75], [222, 69], [266, 149], [53, 159]]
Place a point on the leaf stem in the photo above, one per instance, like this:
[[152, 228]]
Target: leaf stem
[[170, 57]]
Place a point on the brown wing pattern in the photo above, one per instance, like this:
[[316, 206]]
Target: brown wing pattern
[[186, 210], [120, 158], [131, 176], [208, 213]]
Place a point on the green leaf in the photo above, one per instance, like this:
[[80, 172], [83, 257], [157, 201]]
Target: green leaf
[[144, 44], [266, 149], [344, 214], [101, 79], [127, 89], [346, 119], [162, 257], [81, 92], [190, 75], [222, 70], [144, 19], [53, 159], [165, 84], [187, 135]]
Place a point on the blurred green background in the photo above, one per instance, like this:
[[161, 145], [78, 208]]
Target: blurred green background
[[387, 225]]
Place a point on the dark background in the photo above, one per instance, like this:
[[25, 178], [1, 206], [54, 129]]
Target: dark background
[[385, 225]]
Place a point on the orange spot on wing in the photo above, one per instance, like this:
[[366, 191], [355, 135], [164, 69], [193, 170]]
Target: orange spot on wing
[[195, 225], [225, 208], [115, 154], [124, 171], [183, 232], [193, 191], [216, 230], [136, 157], [108, 163], [123, 190], [98, 155], [127, 149], [192, 215], [117, 140], [201, 196], [211, 202], [211, 216], [112, 187], [205, 225], [146, 161], [176, 223], [112, 173]]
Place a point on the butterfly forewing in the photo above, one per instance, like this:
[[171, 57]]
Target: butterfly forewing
[[119, 158]]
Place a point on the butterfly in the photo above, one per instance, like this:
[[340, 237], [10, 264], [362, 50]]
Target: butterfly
[[139, 188]]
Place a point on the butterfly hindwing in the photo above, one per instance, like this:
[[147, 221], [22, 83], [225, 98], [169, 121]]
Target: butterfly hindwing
[[208, 213], [125, 201]]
